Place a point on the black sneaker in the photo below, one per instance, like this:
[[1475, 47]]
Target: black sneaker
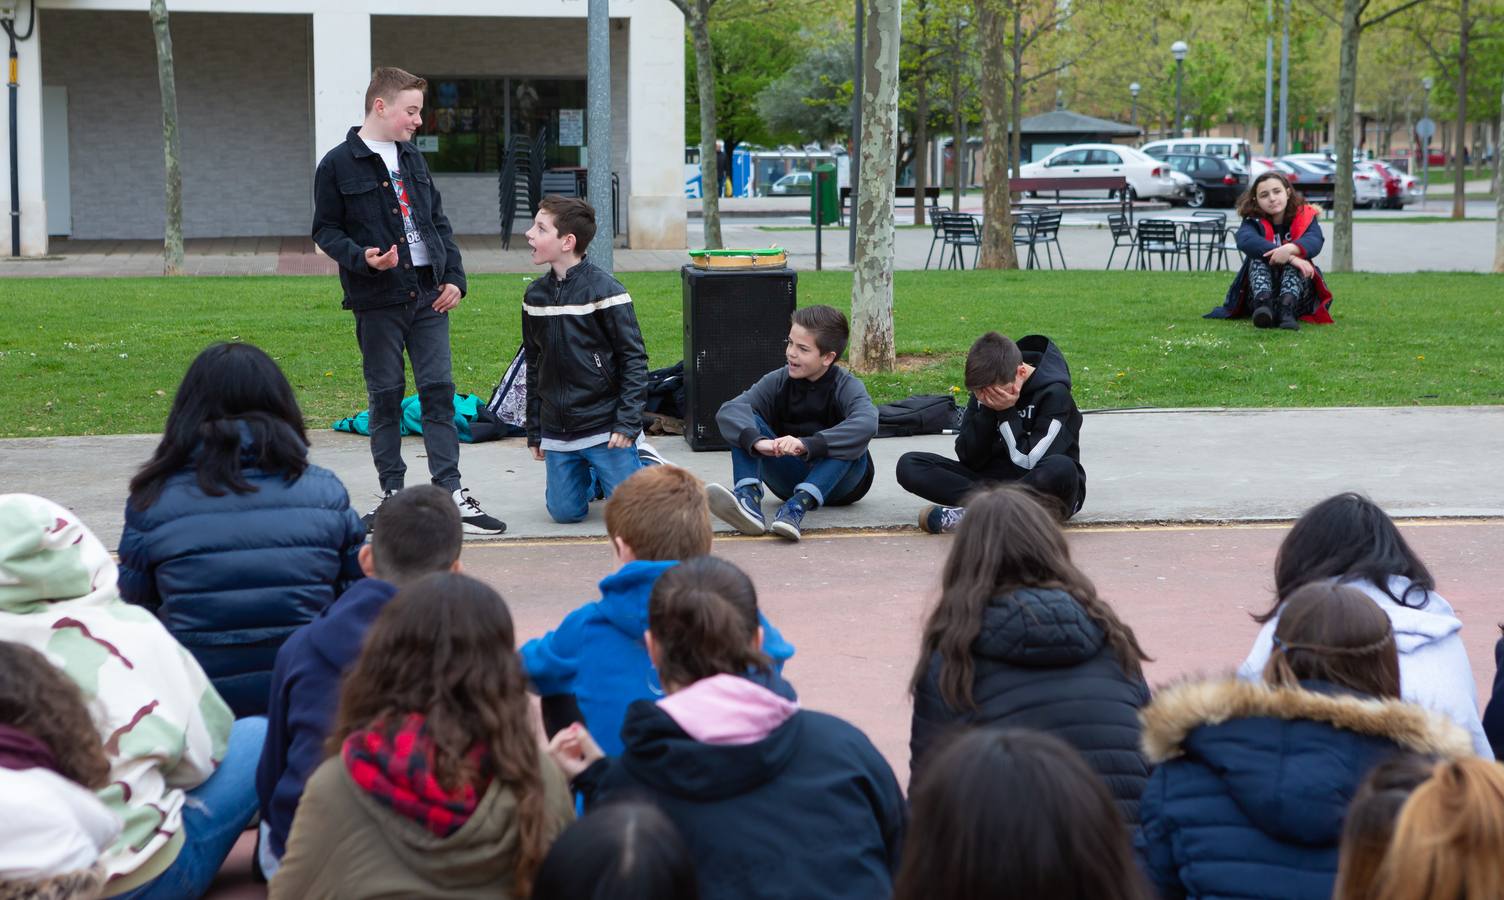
[[941, 519], [369, 519], [1263, 317], [741, 510], [1287, 319], [473, 518]]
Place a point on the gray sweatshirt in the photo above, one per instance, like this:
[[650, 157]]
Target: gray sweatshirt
[[833, 415]]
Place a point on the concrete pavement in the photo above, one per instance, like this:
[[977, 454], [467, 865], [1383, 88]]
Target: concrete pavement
[[1142, 467]]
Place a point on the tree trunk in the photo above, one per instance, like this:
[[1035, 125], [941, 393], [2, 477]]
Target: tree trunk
[[872, 279], [172, 243], [997, 213], [698, 17], [1499, 195], [957, 137], [1347, 98], [1016, 94], [1459, 180], [921, 147]]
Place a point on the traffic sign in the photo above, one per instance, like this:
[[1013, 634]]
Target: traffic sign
[[1425, 129]]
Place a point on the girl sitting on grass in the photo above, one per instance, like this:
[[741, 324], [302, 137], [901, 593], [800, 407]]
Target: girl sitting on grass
[[1280, 238]]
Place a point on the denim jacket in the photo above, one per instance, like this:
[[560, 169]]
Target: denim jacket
[[354, 208]]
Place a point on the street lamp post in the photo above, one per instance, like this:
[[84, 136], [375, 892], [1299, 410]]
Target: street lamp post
[[1178, 50], [1425, 142], [1133, 90]]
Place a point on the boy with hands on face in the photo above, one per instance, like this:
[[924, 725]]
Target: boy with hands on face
[[802, 429], [1021, 425]]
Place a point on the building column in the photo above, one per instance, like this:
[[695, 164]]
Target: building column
[[656, 210], [29, 142], [341, 72]]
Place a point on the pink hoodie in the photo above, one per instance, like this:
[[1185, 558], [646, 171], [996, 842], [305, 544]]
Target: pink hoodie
[[727, 709]]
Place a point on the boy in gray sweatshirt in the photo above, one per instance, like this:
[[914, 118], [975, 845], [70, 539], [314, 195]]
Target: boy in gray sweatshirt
[[802, 429]]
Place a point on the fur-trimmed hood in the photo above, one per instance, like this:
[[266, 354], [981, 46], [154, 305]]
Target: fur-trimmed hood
[[1290, 758]]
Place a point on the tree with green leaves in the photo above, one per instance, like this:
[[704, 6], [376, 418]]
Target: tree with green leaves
[[697, 20], [172, 146], [872, 215], [752, 50], [812, 100], [997, 251]]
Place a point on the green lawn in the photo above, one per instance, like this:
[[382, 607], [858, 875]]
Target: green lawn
[[98, 356]]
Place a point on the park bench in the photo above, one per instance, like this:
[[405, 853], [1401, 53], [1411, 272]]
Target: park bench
[[906, 191], [1116, 184]]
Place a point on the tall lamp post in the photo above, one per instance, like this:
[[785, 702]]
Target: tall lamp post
[[1425, 142], [1178, 50], [1133, 90]]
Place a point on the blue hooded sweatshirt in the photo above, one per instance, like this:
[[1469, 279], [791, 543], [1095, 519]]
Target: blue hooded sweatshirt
[[597, 653], [305, 697]]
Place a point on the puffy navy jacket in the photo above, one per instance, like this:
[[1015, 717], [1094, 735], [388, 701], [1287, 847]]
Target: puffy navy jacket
[[231, 577], [1040, 662], [1254, 783]]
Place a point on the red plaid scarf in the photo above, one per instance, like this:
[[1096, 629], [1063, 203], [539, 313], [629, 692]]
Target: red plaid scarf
[[395, 766]]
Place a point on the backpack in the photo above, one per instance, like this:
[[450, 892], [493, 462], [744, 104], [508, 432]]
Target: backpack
[[919, 414], [509, 400]]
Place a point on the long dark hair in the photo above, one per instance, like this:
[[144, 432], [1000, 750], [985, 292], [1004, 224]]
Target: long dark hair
[[40, 699], [227, 385], [1248, 201], [1347, 538], [444, 647], [703, 618], [1329, 632], [621, 851], [1006, 542], [1011, 813]]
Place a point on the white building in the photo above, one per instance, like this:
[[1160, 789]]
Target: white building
[[265, 87]]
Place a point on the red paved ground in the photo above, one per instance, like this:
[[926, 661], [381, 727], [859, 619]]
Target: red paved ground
[[853, 604]]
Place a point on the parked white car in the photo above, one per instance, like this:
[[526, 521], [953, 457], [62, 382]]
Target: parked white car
[[1368, 187], [1147, 177]]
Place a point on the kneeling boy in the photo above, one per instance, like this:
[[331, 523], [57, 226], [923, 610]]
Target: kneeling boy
[[1021, 425], [802, 429], [656, 519]]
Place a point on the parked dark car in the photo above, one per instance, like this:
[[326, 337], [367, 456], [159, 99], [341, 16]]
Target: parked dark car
[[1318, 183], [1218, 181]]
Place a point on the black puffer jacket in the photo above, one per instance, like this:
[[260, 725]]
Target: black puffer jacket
[[1042, 663], [587, 370]]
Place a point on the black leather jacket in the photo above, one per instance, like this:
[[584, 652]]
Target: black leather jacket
[[354, 208], [587, 370]]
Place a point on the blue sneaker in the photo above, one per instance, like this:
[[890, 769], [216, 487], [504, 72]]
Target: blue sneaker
[[741, 510], [941, 519], [786, 520]]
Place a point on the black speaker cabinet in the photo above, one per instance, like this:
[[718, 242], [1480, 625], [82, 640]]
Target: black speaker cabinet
[[735, 325]]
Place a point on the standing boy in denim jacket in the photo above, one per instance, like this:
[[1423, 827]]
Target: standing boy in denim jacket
[[803, 428], [587, 371], [377, 213]]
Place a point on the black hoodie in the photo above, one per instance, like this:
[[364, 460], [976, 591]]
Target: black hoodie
[[811, 811], [1044, 421]]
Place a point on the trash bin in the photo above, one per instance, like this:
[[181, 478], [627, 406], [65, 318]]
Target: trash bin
[[824, 196]]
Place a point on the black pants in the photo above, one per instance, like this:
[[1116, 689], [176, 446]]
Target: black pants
[[383, 334], [940, 479]]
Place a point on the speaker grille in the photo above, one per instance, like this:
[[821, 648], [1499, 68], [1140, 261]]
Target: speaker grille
[[735, 325]]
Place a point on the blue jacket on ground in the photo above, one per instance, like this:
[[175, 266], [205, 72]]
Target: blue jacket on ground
[[598, 655], [1254, 782], [232, 576], [305, 697]]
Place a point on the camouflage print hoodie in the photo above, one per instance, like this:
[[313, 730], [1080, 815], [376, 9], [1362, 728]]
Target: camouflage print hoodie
[[164, 727]]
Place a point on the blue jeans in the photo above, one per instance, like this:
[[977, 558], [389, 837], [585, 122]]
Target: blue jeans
[[569, 487], [214, 815], [832, 482]]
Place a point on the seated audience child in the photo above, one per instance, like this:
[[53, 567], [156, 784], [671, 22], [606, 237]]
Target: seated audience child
[[1020, 425], [1369, 825], [802, 429], [1011, 813], [656, 518], [1020, 639], [1493, 714], [1254, 779], [180, 774], [1350, 540], [622, 851], [420, 533], [587, 370], [1280, 239], [774, 801], [436, 784], [53, 830], [1449, 837], [232, 538]]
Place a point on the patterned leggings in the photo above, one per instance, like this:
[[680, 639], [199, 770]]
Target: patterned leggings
[[1262, 277]]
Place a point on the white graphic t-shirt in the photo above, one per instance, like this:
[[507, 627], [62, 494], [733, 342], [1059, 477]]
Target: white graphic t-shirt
[[415, 245]]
